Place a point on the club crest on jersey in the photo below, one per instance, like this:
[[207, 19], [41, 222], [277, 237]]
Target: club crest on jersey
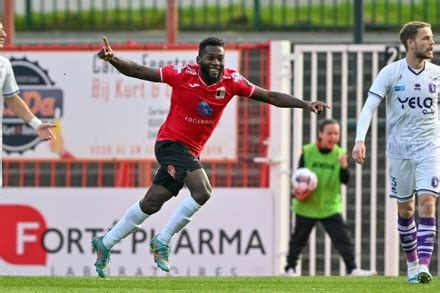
[[220, 93], [171, 171], [432, 88]]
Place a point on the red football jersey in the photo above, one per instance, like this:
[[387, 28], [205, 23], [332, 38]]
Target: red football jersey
[[195, 107]]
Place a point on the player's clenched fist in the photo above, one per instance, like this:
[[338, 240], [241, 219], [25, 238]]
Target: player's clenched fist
[[106, 52]]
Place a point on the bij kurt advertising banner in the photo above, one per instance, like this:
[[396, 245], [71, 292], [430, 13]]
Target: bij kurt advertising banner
[[48, 231], [100, 113]]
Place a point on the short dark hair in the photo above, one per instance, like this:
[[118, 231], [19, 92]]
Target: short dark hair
[[409, 31], [210, 41], [326, 122]]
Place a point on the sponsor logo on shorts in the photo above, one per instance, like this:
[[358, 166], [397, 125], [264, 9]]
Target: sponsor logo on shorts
[[434, 182], [393, 185], [171, 171]]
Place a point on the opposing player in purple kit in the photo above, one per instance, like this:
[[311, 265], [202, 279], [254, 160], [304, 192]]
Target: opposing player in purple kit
[[411, 88], [200, 93]]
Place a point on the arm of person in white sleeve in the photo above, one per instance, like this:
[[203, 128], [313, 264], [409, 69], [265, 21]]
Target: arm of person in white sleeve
[[363, 124], [19, 107]]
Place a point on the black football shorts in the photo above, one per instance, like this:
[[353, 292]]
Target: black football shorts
[[175, 160]]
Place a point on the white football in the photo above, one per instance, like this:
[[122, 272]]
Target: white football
[[304, 182]]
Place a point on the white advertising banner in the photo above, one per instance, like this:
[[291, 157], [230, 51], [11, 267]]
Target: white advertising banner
[[100, 113], [48, 231]]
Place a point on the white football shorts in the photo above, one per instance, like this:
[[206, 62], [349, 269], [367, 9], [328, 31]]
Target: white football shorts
[[414, 177]]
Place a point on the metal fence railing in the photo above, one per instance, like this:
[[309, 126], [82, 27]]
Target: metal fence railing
[[80, 15]]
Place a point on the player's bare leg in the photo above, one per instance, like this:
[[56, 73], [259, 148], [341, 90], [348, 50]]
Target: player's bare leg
[[130, 222], [198, 184]]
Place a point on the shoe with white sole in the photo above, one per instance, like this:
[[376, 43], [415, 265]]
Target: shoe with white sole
[[362, 273]]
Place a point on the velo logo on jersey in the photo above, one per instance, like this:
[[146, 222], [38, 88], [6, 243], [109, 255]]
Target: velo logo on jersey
[[22, 229], [399, 88], [417, 102]]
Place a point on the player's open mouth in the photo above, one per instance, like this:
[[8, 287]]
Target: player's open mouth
[[214, 71]]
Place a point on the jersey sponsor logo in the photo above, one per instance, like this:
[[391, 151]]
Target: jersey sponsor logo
[[399, 88], [193, 85], [321, 165], [220, 93], [417, 103], [199, 121], [43, 98], [203, 109], [172, 171], [22, 231]]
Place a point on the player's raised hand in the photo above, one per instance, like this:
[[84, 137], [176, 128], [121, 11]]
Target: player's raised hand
[[106, 52], [317, 107], [358, 152]]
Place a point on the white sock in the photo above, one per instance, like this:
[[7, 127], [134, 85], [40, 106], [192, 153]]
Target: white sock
[[181, 217], [412, 264], [130, 222]]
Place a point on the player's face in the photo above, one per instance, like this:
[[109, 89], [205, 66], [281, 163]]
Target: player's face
[[423, 44], [329, 136], [2, 35], [212, 63]]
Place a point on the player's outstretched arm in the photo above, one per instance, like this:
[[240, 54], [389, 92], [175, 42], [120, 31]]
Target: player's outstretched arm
[[19, 107], [286, 101], [128, 67], [364, 120]]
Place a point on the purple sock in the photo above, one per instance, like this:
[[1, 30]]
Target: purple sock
[[408, 237], [426, 236]]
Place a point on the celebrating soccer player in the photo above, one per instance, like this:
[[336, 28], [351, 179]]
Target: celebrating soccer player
[[200, 93], [411, 87]]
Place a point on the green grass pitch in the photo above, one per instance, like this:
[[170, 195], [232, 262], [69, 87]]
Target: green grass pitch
[[217, 284]]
